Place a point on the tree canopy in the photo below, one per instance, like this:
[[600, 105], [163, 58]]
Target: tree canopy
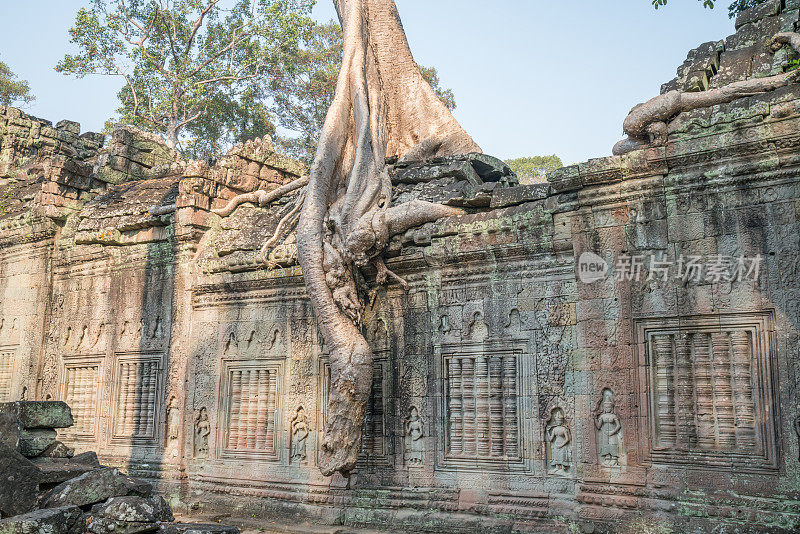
[[303, 95], [534, 169], [195, 71], [13, 91]]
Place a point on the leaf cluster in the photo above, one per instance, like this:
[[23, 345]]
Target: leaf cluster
[[13, 91]]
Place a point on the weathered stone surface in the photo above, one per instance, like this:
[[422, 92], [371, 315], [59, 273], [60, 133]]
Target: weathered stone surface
[[197, 528], [135, 509], [63, 520], [19, 483], [58, 450], [754, 14], [9, 430], [40, 414], [86, 458], [94, 487], [34, 442], [420, 173], [58, 470], [103, 525], [513, 196]]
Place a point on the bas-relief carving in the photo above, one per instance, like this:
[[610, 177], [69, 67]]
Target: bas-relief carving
[[300, 431], [558, 442], [414, 434], [477, 330], [202, 430], [608, 431], [8, 356], [173, 420], [81, 388], [138, 399], [481, 404], [250, 400], [709, 388]]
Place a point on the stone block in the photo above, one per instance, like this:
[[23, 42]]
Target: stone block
[[565, 179], [35, 441], [512, 196], [196, 528], [40, 414], [103, 525], [9, 430], [766, 9], [58, 470], [58, 450], [94, 487], [19, 483], [425, 172], [135, 509], [63, 520]]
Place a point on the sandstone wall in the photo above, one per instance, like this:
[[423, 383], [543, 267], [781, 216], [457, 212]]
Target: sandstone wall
[[508, 390]]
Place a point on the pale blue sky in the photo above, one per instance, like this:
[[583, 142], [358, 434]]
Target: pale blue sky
[[530, 76]]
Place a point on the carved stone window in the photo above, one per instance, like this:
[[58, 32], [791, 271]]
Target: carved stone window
[[7, 358], [709, 389], [250, 405], [482, 395], [136, 397], [80, 389]]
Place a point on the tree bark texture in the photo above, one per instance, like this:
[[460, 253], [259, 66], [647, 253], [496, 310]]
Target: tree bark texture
[[382, 108]]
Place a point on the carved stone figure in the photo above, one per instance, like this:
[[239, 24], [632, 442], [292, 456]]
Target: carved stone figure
[[559, 440], [609, 439], [415, 431], [173, 420], [202, 429], [300, 431]]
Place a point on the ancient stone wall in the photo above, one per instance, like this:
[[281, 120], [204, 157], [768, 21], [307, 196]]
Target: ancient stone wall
[[620, 342]]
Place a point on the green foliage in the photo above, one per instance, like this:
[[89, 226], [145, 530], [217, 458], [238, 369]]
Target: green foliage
[[194, 71], [533, 169], [431, 76], [733, 10], [706, 3], [13, 91], [303, 95]]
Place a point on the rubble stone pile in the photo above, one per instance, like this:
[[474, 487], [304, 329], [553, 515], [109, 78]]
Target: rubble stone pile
[[46, 488]]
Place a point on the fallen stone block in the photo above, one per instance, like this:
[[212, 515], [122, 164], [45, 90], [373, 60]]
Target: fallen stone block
[[87, 458], [9, 430], [135, 509], [19, 483], [193, 528], [35, 442], [58, 470], [95, 487], [40, 414], [102, 525], [63, 520], [58, 450]]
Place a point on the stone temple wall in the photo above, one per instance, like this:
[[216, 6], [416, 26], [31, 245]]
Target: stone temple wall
[[621, 342]]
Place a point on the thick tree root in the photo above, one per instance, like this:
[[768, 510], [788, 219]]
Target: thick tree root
[[260, 198], [646, 123], [382, 109], [287, 222]]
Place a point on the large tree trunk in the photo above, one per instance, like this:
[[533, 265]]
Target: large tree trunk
[[383, 107]]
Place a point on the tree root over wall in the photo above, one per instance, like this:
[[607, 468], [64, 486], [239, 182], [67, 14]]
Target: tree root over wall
[[383, 109], [646, 124]]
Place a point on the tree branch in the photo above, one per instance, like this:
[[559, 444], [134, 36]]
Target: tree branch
[[198, 23]]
